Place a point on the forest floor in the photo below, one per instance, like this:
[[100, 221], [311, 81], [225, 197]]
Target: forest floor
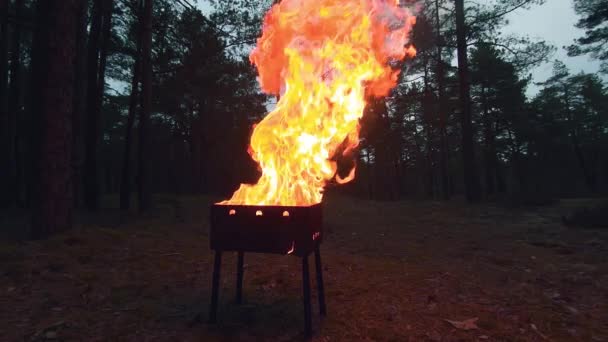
[[397, 271]]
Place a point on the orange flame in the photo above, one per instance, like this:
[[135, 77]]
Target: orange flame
[[323, 57]]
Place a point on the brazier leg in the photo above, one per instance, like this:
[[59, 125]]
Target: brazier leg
[[307, 307], [320, 286], [215, 284], [239, 278]]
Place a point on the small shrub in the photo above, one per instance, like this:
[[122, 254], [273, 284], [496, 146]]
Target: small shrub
[[589, 217]]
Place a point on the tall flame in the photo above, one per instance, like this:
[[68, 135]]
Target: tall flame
[[323, 57]]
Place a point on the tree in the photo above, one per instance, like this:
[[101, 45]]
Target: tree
[[5, 162], [471, 179], [423, 38], [125, 182], [80, 102], [10, 101], [380, 145], [204, 103], [577, 104], [53, 60], [499, 101], [594, 16], [99, 38], [239, 22], [442, 109], [143, 180]]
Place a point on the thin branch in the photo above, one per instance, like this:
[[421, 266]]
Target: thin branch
[[496, 16], [186, 4], [514, 53]]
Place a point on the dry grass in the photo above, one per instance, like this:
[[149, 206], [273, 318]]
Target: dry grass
[[394, 272]]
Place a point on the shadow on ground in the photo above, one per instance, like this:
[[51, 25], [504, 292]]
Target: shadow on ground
[[394, 272]]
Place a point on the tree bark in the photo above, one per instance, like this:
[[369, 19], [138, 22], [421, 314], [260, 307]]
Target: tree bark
[[125, 181], [143, 183], [471, 178], [489, 148], [443, 141], [15, 100], [5, 163], [106, 33], [385, 179], [54, 52], [428, 129], [501, 185], [15, 108], [99, 38], [91, 177], [80, 95], [578, 151]]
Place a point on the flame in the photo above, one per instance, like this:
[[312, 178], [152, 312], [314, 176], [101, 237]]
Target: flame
[[293, 247], [323, 57]]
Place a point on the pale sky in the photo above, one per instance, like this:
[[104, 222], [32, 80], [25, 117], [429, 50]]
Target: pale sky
[[553, 22]]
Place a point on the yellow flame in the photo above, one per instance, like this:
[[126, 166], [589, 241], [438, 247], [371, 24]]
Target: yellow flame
[[324, 57]]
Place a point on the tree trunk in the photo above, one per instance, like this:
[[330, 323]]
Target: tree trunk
[[196, 156], [593, 169], [385, 187], [428, 129], [125, 181], [97, 54], [606, 171], [578, 151], [54, 52], [370, 189], [91, 178], [489, 148], [15, 99], [443, 140], [18, 121], [80, 96], [471, 179], [106, 33], [501, 183], [5, 163], [143, 183], [519, 171]]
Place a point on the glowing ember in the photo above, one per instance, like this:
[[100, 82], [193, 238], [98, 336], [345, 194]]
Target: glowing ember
[[323, 57]]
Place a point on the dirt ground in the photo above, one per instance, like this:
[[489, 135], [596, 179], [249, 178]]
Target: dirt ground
[[397, 271]]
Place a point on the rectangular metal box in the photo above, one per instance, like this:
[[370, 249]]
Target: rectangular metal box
[[294, 230]]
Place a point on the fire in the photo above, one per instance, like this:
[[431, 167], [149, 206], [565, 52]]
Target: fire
[[323, 57]]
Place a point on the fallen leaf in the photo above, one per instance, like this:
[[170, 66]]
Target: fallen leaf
[[269, 286], [572, 309], [467, 324], [433, 336], [533, 326]]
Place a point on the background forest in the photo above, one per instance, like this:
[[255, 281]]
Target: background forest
[[163, 99]]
